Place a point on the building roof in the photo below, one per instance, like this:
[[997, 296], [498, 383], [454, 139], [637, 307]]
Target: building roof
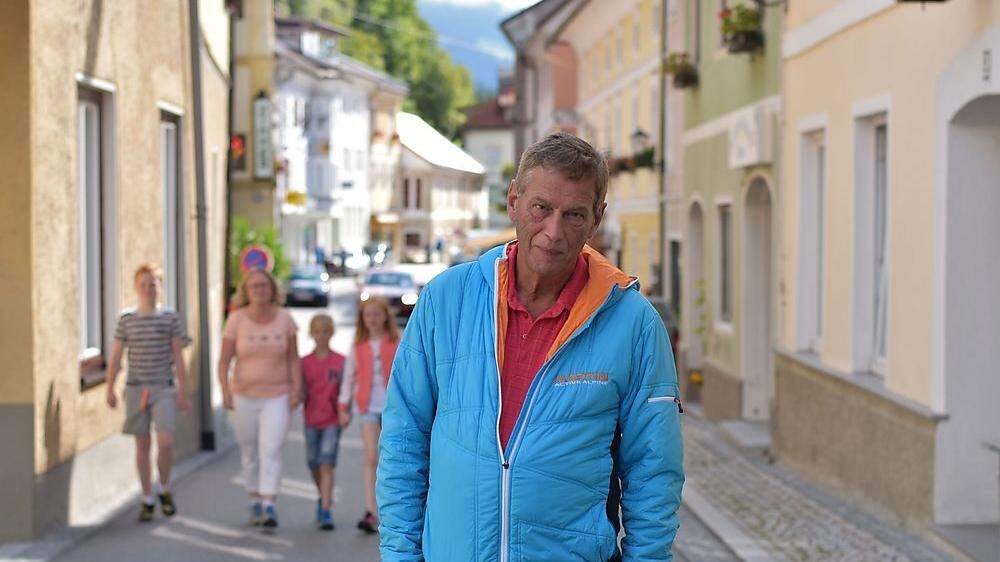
[[487, 115], [339, 65], [424, 141], [521, 26], [314, 25]]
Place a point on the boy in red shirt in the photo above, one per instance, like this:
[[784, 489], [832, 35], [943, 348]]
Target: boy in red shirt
[[322, 371]]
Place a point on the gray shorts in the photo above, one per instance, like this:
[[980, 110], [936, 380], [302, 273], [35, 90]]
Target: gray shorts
[[159, 407]]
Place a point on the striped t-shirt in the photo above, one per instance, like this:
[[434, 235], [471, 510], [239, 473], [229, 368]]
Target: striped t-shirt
[[147, 338]]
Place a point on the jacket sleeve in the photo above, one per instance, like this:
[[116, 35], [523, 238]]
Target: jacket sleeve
[[404, 448], [651, 452]]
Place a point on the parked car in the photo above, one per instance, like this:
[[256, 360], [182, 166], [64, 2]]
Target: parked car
[[397, 287], [669, 321], [309, 284]]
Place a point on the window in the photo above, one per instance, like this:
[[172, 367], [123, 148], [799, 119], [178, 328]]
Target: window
[[93, 153], [617, 134], [636, 43], [654, 110], [347, 160], [812, 221], [418, 195], [173, 214], [881, 240], [607, 58], [635, 111], [412, 240], [871, 246], [725, 263], [406, 193], [656, 21], [618, 47]]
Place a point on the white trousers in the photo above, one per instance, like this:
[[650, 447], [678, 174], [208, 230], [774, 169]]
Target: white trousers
[[261, 425]]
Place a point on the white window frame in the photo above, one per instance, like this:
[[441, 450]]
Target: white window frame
[[173, 210], [871, 295], [97, 225], [812, 236]]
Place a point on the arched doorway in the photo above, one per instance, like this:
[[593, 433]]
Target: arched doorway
[[966, 471], [758, 372], [694, 320]]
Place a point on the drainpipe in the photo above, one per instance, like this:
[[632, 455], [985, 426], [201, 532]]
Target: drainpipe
[[204, 341], [662, 162]]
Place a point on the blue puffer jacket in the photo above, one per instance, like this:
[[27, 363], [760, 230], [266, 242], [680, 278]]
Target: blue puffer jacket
[[446, 490]]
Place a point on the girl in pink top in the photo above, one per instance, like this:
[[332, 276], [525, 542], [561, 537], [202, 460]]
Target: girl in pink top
[[265, 388]]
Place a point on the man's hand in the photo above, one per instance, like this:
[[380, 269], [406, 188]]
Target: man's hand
[[227, 400], [111, 398], [344, 418], [182, 402], [293, 400]]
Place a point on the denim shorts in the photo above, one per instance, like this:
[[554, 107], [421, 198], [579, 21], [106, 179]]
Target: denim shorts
[[321, 446]]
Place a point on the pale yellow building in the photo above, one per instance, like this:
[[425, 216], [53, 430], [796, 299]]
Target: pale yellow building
[[98, 147], [888, 340], [616, 46], [252, 177]]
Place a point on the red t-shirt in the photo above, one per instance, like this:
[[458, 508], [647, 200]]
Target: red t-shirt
[[321, 379], [528, 340]]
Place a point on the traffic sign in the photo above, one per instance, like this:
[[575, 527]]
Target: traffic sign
[[255, 257]]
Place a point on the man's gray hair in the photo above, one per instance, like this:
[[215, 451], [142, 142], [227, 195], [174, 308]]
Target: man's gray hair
[[571, 156]]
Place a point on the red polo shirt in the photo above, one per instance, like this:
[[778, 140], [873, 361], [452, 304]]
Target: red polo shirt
[[529, 339]]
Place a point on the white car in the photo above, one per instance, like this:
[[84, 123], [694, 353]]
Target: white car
[[397, 287]]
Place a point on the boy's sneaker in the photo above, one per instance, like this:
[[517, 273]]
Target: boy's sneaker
[[368, 523], [167, 504], [146, 512], [256, 514], [319, 510], [326, 520], [270, 517]]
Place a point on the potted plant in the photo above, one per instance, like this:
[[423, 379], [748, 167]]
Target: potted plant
[[684, 72], [741, 29]]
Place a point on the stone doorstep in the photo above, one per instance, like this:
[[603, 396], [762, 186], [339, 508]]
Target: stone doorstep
[[968, 543], [748, 435], [730, 533], [54, 544]]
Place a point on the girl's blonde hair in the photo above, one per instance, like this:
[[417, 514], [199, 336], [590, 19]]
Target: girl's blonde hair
[[242, 299], [321, 318], [391, 329]]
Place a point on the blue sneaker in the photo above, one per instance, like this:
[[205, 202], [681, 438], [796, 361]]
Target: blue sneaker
[[326, 520], [270, 517], [256, 514], [319, 510]]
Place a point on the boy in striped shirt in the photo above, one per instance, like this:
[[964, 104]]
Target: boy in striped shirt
[[154, 338]]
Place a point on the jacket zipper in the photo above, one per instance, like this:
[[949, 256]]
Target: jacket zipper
[[504, 465], [674, 399]]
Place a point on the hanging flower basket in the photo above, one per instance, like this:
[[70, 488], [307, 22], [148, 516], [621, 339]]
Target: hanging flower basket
[[742, 30], [679, 66]]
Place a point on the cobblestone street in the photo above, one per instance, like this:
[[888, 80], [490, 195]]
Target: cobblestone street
[[782, 517]]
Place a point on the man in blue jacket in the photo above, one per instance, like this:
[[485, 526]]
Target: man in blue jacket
[[514, 376]]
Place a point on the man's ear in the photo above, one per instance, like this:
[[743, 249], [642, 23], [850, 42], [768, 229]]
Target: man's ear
[[512, 200], [599, 217]]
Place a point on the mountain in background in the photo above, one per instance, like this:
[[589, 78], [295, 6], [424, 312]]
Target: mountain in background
[[470, 32]]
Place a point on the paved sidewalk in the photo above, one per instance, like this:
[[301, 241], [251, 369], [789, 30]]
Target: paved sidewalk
[[211, 524], [765, 513]]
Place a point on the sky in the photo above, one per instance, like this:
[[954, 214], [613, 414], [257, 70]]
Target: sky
[[470, 31]]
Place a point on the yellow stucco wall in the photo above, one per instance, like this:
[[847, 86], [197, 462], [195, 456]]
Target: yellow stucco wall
[[143, 53], [16, 340], [885, 55]]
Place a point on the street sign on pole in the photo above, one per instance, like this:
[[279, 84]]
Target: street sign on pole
[[255, 257]]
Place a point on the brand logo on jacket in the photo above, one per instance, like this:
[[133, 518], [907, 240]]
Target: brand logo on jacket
[[581, 378]]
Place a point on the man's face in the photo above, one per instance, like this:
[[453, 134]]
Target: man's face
[[554, 217]]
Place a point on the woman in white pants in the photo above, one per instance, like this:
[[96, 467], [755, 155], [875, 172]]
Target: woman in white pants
[[264, 389]]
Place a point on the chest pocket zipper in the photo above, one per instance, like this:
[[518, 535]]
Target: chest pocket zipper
[[673, 399]]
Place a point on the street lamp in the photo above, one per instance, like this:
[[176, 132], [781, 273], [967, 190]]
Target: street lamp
[[640, 140]]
